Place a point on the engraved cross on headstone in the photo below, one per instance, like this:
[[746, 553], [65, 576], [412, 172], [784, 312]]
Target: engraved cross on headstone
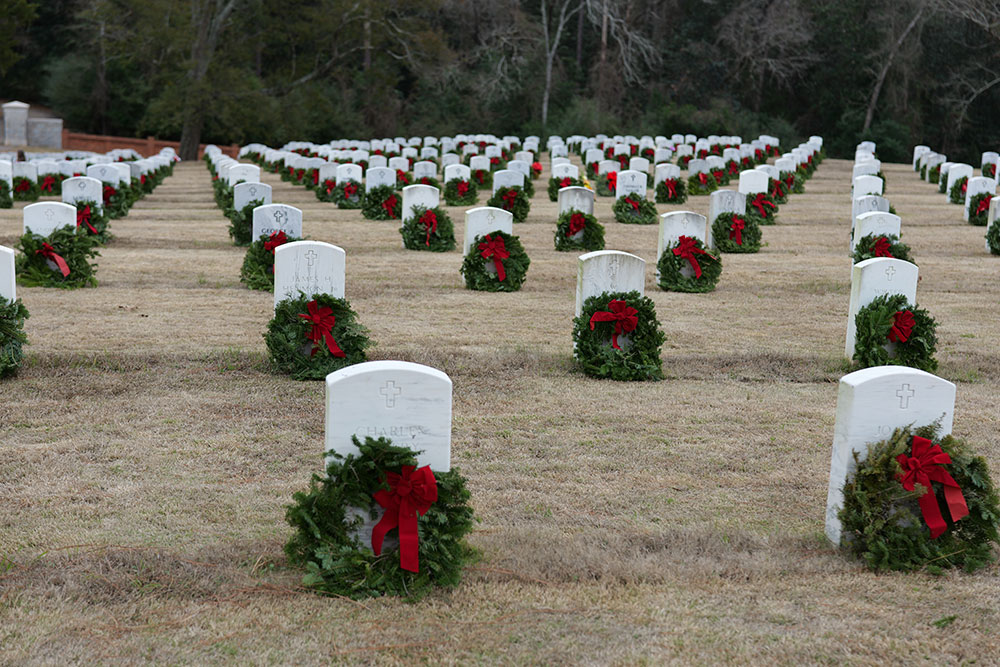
[[81, 185], [889, 273], [253, 191], [390, 391], [279, 217], [310, 256], [491, 217], [905, 393], [49, 213]]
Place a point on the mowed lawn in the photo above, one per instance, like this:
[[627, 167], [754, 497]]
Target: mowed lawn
[[147, 453]]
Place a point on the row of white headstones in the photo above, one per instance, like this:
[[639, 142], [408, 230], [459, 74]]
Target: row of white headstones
[[102, 168], [952, 172]]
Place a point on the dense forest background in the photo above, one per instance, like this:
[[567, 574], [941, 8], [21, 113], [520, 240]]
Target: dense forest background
[[899, 72]]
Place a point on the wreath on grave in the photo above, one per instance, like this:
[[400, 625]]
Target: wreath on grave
[[733, 168], [957, 193], [671, 191], [536, 169], [241, 223], [735, 233], [683, 161], [61, 259], [979, 209], [993, 237], [795, 182], [512, 199], [257, 271], [919, 502], [891, 331], [325, 541], [459, 192], [309, 338], [428, 180], [25, 189], [505, 254], [942, 183], [934, 174], [761, 208], [428, 229], [779, 193], [556, 184], [701, 184], [579, 231], [12, 338], [878, 175], [347, 194], [382, 203], [607, 183], [93, 219], [529, 188], [923, 172], [720, 176], [324, 192], [608, 316], [989, 170], [51, 185], [881, 245], [116, 203], [483, 178], [592, 169], [689, 256], [630, 209], [6, 201]]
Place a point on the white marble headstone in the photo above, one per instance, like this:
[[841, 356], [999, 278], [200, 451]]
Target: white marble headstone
[[608, 271], [106, 173], [25, 170], [876, 223], [631, 183], [248, 173], [479, 162], [867, 185], [45, 217], [378, 176], [866, 204], [752, 182], [310, 267], [349, 172], [871, 404], [957, 171], [244, 193], [8, 284], [271, 218], [483, 220], [419, 195], [424, 169], [697, 166], [639, 163], [665, 172], [576, 198], [976, 186], [873, 278], [507, 178], [608, 166], [399, 164], [561, 171], [459, 171], [83, 188], [681, 223]]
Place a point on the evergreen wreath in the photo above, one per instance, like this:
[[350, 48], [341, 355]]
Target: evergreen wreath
[[72, 245], [459, 192], [993, 237], [680, 258], [324, 192], [607, 183], [736, 233], [639, 358], [301, 348], [536, 169], [701, 184], [778, 192], [325, 541], [666, 195], [12, 338], [556, 184], [884, 184], [629, 209], [934, 174], [573, 222], [93, 220], [428, 229], [6, 200], [116, 202], [428, 180], [25, 189], [529, 187], [348, 194], [51, 185], [760, 208], [683, 161], [505, 254], [241, 223], [884, 525], [257, 271], [890, 321], [979, 209], [382, 203], [923, 172], [957, 193], [483, 178], [989, 170], [881, 245], [721, 176], [512, 199], [942, 183]]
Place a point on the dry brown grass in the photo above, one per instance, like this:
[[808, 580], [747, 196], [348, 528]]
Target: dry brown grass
[[147, 454]]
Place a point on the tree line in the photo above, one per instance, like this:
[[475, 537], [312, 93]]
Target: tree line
[[899, 72]]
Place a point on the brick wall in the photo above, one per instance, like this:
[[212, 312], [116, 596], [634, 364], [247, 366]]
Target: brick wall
[[99, 143]]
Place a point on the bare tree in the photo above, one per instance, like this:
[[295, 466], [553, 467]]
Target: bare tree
[[635, 51], [566, 10], [967, 85]]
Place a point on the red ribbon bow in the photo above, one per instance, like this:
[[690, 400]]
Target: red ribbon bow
[[142, 179], [109, 192], [687, 248], [322, 320], [494, 247], [624, 316], [882, 247], [536, 167], [329, 184], [83, 218], [965, 186], [613, 180], [759, 202], [315, 176], [635, 205], [671, 184], [702, 178], [48, 252], [274, 240], [776, 191], [984, 204], [299, 173], [924, 467], [576, 224], [401, 177], [902, 326], [350, 189], [48, 183], [508, 199], [566, 182], [736, 230], [462, 187], [23, 185], [390, 205], [430, 221], [411, 493], [480, 175]]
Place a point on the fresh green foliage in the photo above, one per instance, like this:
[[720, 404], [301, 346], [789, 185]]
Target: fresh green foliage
[[663, 193], [639, 356], [6, 200], [749, 236], [633, 210], [556, 184], [672, 279], [518, 205], [873, 324], [76, 248], [12, 338], [25, 189], [993, 237], [593, 233], [978, 219], [241, 223], [696, 187], [865, 248], [373, 207], [339, 196], [98, 228], [257, 271], [474, 266], [415, 233], [957, 193], [767, 204], [452, 198]]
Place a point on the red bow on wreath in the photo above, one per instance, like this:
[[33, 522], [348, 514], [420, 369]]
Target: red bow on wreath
[[902, 326], [109, 192], [612, 181], [736, 230], [624, 316], [703, 178], [411, 493], [350, 189], [733, 168], [48, 183], [882, 247], [633, 203], [83, 218], [494, 247], [315, 176], [142, 179], [924, 467], [390, 205], [687, 248], [776, 191], [576, 224], [984, 204], [480, 175], [322, 320], [23, 185], [430, 221], [759, 202], [509, 198], [566, 182], [329, 184], [274, 240], [48, 252], [671, 184], [462, 188], [965, 186], [299, 173], [790, 180], [401, 177]]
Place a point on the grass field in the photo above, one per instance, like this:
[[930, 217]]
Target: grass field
[[147, 453]]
